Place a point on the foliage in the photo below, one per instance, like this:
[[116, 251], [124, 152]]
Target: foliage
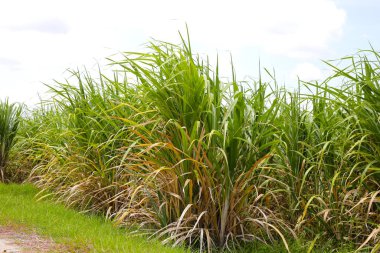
[[9, 121], [165, 144]]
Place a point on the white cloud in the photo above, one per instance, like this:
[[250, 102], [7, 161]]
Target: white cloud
[[294, 28], [54, 26], [45, 37], [307, 72]]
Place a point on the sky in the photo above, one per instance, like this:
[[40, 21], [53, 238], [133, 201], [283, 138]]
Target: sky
[[41, 39]]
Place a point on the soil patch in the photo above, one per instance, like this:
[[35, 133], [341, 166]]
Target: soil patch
[[20, 240]]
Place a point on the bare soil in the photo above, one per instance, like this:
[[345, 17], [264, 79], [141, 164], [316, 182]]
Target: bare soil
[[20, 240]]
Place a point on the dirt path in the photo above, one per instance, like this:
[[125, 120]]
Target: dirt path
[[19, 240], [7, 245]]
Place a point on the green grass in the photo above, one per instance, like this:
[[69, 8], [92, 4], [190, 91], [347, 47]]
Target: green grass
[[19, 207]]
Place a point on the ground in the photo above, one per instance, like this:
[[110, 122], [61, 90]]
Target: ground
[[18, 239]]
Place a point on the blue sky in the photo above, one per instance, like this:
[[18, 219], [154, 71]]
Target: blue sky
[[40, 39]]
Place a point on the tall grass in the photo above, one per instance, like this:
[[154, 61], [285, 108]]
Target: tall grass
[[9, 121], [206, 176], [166, 145]]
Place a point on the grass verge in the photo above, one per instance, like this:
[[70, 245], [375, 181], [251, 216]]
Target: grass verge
[[90, 233]]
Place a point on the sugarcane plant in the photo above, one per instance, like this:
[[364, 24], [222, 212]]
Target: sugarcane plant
[[168, 145], [9, 121]]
